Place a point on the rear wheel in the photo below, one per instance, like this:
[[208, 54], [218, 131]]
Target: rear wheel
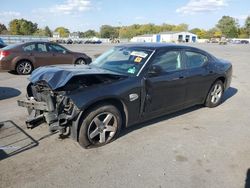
[[24, 67], [215, 94], [80, 61], [100, 126]]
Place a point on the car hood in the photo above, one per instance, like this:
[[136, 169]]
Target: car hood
[[57, 76]]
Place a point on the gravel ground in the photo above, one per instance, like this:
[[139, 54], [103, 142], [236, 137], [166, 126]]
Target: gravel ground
[[197, 147]]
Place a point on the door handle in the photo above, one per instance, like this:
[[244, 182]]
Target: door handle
[[179, 78]]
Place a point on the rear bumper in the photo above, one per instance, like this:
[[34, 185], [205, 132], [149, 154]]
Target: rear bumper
[[5, 65]]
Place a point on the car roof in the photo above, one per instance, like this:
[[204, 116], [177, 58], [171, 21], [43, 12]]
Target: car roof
[[156, 45]]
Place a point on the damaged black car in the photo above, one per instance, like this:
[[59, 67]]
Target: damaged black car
[[126, 85]]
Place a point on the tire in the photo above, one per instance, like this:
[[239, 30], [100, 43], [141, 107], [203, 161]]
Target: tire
[[80, 61], [215, 94], [24, 67], [94, 131]]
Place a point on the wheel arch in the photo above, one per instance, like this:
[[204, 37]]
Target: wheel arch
[[76, 59], [24, 59], [222, 79], [118, 103]]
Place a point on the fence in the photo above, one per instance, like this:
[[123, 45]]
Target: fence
[[12, 39]]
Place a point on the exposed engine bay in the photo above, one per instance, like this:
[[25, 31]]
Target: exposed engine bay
[[55, 107]]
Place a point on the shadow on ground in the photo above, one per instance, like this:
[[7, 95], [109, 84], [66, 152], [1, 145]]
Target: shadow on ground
[[230, 92], [14, 140], [13, 72], [8, 92], [227, 95], [247, 182]]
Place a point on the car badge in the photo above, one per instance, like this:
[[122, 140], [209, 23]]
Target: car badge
[[133, 97]]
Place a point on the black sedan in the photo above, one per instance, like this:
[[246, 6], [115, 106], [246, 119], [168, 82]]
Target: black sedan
[[2, 44], [126, 85]]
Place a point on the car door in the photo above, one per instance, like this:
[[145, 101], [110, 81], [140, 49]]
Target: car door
[[42, 56], [166, 90], [199, 75], [59, 54]]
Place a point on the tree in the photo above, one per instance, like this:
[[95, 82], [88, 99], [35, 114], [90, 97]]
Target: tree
[[214, 33], [88, 34], [47, 32], [3, 29], [247, 26], [22, 27], [228, 26], [64, 32], [195, 30], [107, 31], [180, 27]]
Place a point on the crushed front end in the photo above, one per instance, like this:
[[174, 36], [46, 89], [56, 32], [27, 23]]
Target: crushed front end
[[50, 106]]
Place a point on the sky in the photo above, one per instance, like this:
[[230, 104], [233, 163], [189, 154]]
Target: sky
[[81, 15]]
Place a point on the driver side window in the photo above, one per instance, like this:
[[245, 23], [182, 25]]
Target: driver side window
[[169, 61]]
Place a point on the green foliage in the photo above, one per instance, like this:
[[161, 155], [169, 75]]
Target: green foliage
[[228, 26], [247, 26], [43, 32], [22, 27], [107, 31], [214, 33], [47, 32], [88, 34], [3, 28], [136, 29], [64, 32]]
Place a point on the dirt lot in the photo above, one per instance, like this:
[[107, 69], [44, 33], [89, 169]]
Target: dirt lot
[[198, 147]]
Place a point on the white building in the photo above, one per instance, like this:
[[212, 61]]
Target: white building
[[74, 35], [169, 36], [56, 35], [143, 38]]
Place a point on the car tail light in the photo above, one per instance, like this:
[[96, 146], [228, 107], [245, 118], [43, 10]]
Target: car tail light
[[4, 54]]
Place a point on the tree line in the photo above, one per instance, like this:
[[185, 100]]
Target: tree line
[[227, 26]]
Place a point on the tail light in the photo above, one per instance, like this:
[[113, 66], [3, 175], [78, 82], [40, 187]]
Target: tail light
[[4, 54]]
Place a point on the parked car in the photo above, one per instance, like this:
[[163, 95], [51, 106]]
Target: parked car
[[127, 85], [2, 44], [244, 42], [93, 42], [25, 57]]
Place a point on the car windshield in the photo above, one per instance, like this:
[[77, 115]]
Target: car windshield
[[124, 60]]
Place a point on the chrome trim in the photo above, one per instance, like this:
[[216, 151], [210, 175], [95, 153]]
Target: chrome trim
[[145, 63]]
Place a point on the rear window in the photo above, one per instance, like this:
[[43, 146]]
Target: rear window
[[9, 47]]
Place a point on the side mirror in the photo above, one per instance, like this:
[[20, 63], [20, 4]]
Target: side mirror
[[155, 70]]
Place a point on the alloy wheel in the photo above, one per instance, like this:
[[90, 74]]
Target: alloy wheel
[[102, 128], [216, 93], [80, 62], [24, 67]]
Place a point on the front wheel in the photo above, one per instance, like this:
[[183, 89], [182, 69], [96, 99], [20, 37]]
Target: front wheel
[[80, 61], [215, 94], [100, 126]]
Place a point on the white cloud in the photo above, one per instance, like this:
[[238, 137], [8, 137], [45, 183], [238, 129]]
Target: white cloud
[[71, 7], [139, 18], [242, 17], [199, 6], [9, 14]]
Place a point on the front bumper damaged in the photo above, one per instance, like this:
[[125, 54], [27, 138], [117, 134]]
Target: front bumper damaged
[[58, 115]]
